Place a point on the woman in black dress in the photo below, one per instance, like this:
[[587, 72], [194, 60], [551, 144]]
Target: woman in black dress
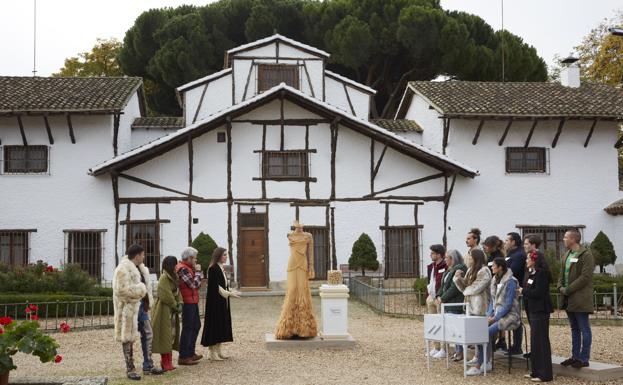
[[538, 307], [217, 325]]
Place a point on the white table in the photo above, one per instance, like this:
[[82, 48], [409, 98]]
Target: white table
[[459, 329]]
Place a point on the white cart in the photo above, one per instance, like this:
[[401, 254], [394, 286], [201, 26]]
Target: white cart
[[460, 329]]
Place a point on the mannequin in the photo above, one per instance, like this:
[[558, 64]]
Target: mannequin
[[297, 318]]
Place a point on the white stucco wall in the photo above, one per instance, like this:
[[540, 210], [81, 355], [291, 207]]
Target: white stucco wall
[[428, 119], [217, 97], [580, 183], [336, 96], [125, 141], [66, 198]]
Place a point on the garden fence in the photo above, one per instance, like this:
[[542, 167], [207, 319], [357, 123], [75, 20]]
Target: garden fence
[[396, 296]]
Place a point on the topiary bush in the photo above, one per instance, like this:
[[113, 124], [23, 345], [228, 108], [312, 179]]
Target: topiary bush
[[205, 245], [363, 255], [603, 251]]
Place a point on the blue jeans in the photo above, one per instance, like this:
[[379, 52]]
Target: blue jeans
[[191, 323], [581, 336], [147, 336], [494, 329]]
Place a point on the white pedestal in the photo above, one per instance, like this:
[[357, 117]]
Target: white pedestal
[[334, 308]]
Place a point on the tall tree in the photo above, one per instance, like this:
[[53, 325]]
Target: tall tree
[[100, 61], [381, 43]]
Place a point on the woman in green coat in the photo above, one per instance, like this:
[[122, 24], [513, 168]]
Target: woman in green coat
[[166, 314], [448, 293]]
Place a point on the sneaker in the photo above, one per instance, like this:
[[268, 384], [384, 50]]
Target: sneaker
[[536, 379], [473, 372], [489, 366], [473, 361], [500, 345], [579, 364], [153, 371], [133, 376], [527, 375], [568, 361], [440, 354], [432, 353], [527, 355]]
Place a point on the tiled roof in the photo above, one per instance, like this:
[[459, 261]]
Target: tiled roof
[[159, 122], [615, 208], [463, 98], [398, 125], [72, 94]]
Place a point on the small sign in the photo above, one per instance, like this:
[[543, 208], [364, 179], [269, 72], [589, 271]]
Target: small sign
[[336, 310], [530, 281], [574, 260]]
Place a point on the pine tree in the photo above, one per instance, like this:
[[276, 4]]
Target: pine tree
[[363, 255], [205, 245], [603, 251]]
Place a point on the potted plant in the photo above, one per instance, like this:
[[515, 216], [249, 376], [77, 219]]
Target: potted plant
[[24, 337]]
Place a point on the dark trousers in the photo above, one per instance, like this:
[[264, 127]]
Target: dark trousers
[[581, 335], [190, 330], [541, 354], [517, 336]]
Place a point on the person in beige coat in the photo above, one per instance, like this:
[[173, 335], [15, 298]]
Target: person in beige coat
[[128, 290], [475, 286]]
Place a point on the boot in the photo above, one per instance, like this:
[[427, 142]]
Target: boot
[[167, 362], [214, 354], [220, 353]]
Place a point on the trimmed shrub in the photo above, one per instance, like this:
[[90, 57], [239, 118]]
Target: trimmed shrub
[[205, 245], [42, 278], [419, 286], [603, 251], [363, 255]]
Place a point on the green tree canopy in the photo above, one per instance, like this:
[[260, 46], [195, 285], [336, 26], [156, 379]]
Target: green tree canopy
[[603, 251], [363, 255], [101, 61], [381, 43]]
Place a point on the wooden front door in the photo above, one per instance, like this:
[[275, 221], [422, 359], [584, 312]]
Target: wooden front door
[[252, 257]]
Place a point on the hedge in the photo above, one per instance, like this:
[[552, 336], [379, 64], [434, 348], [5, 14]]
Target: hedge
[[55, 305]]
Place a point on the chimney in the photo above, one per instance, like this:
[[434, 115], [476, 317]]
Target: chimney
[[570, 72]]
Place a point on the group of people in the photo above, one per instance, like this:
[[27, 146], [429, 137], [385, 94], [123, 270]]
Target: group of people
[[496, 279], [157, 322]]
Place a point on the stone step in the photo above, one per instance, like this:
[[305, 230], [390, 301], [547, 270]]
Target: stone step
[[309, 343], [597, 371]]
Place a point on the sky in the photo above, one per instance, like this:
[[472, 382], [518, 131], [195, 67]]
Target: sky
[[67, 27]]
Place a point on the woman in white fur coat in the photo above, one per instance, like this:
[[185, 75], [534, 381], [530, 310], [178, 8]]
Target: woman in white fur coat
[[128, 290]]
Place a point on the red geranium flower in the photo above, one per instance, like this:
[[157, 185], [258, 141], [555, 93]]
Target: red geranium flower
[[49, 268], [33, 307], [34, 317], [64, 327], [58, 359], [5, 320], [1, 331]]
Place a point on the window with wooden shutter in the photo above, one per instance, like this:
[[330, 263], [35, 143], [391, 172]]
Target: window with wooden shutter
[[14, 248], [270, 75], [292, 165], [25, 159], [85, 248], [401, 252], [526, 160]]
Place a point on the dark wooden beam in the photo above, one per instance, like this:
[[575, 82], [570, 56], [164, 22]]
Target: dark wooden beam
[[534, 123], [333, 249], [446, 134], [371, 165], [229, 189], [115, 192], [410, 183], [287, 122], [378, 162], [350, 103], [203, 94], [276, 59], [386, 219], [508, 126], [155, 185], [190, 187], [307, 192], [560, 125], [311, 86], [590, 133], [262, 161], [71, 129], [307, 150], [401, 202], [149, 200], [475, 140], [291, 200], [246, 85], [21, 130], [115, 137], [48, 129], [282, 133], [334, 133]]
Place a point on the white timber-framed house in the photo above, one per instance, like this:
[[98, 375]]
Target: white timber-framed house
[[273, 137]]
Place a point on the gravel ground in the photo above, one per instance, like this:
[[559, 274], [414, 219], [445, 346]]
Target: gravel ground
[[390, 351]]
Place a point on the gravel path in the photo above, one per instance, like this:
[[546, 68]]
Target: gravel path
[[390, 351]]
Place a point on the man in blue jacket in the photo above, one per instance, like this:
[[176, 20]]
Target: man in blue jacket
[[516, 260]]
